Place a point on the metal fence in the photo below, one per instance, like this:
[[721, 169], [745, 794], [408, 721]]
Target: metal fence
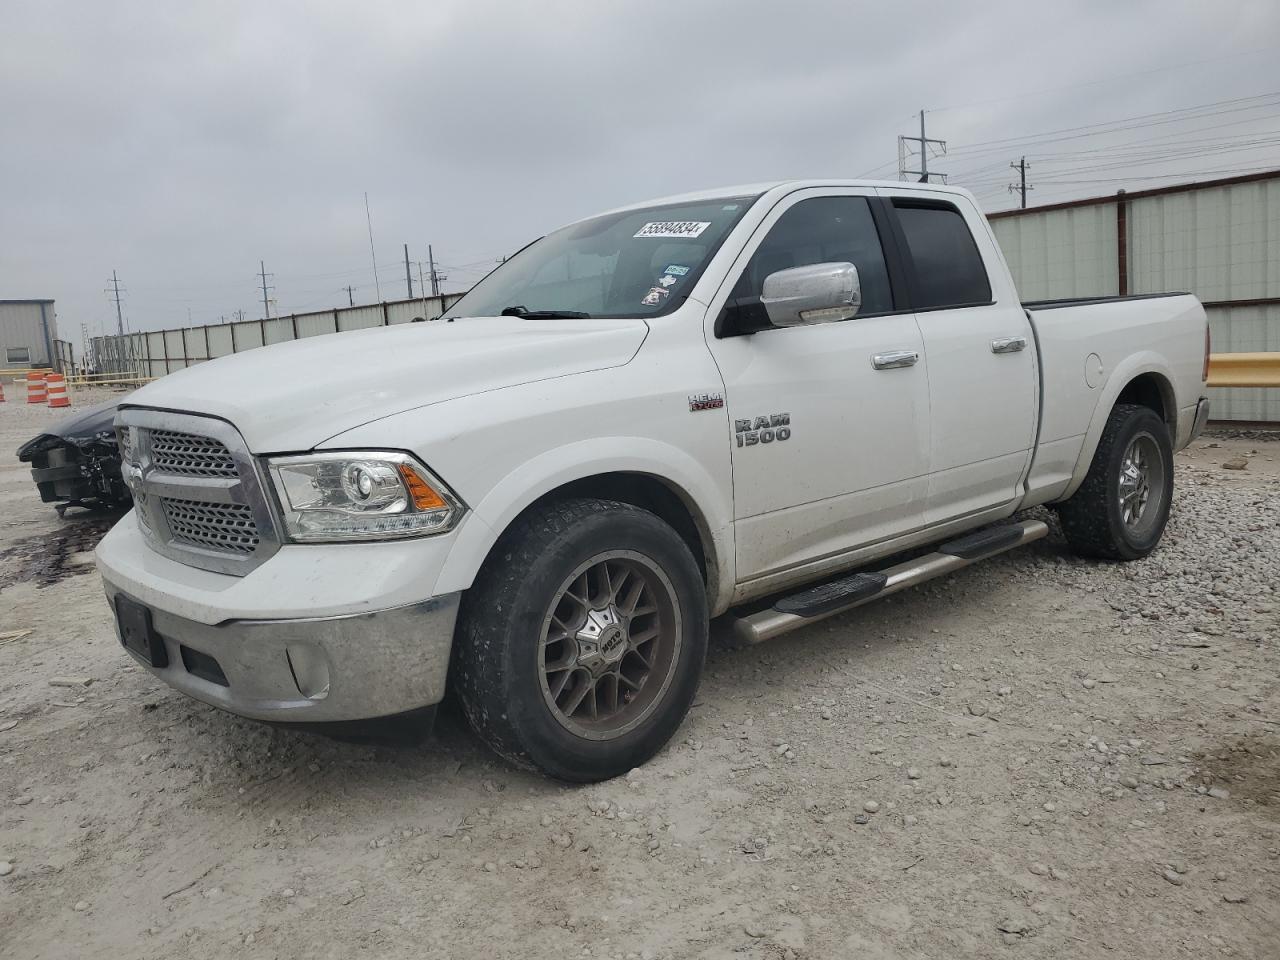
[[64, 358], [156, 352], [1219, 239]]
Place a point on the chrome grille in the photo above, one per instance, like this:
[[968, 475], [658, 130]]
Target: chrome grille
[[198, 493], [214, 526], [189, 455]]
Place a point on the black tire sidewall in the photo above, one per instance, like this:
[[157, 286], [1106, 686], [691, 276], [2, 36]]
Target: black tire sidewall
[[1142, 420], [543, 738]]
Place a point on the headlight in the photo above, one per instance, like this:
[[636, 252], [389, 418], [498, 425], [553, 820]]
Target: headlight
[[364, 495]]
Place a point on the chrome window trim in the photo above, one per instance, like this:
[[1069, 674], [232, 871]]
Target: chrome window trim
[[250, 488]]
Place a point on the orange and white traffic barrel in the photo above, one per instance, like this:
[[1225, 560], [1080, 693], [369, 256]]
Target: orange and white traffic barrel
[[37, 392], [56, 385]]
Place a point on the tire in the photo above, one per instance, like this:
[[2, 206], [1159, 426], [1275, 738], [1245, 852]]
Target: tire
[[541, 629], [1095, 521]]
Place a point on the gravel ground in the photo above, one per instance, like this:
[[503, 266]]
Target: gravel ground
[[1036, 757]]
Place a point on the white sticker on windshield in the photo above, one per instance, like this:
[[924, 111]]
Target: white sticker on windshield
[[673, 228]]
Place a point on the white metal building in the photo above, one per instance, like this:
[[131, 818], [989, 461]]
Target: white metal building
[[28, 329], [1218, 239]]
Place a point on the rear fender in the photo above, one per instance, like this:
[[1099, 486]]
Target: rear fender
[[1132, 367]]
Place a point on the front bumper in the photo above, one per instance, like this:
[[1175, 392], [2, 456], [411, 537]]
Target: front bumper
[[310, 670]]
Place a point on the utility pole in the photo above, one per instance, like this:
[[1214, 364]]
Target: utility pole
[[239, 316], [351, 297], [422, 288], [904, 154], [115, 285], [372, 253], [266, 304], [434, 277], [408, 277], [1021, 187]]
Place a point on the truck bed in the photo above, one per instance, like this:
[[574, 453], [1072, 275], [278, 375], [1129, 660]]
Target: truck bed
[[1089, 350]]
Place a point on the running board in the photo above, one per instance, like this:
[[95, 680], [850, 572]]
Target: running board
[[828, 599]]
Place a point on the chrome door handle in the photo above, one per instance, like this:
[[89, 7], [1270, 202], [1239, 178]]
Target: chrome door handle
[[894, 359], [1008, 344]]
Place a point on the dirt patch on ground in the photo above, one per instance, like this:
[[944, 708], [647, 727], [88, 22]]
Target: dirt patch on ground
[[1248, 768], [1008, 761], [46, 559]]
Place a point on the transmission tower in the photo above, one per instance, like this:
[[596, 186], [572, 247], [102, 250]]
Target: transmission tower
[[926, 146], [115, 292]]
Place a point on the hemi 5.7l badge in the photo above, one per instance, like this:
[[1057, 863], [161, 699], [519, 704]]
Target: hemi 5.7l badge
[[705, 401], [776, 426]]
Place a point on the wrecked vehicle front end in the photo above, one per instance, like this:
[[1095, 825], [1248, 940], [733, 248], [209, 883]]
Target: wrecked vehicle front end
[[76, 463]]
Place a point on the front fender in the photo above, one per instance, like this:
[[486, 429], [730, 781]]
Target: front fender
[[584, 459]]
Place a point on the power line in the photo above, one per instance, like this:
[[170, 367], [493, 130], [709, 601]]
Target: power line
[[1119, 126], [1090, 83]]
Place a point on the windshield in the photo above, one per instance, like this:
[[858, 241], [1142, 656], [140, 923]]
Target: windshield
[[638, 263]]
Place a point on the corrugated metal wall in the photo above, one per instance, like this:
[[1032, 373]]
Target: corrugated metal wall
[[1061, 253], [23, 329], [1220, 242], [157, 352]]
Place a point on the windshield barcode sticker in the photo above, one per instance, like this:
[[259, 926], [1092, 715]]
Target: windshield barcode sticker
[[673, 228]]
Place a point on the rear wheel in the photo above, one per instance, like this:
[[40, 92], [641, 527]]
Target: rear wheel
[[1120, 511], [581, 643]]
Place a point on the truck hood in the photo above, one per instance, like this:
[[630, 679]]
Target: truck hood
[[293, 396]]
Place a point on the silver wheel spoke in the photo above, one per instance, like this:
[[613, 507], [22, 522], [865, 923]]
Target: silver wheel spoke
[[644, 636], [584, 687], [633, 597], [1142, 475], [609, 645], [619, 581], [559, 683]]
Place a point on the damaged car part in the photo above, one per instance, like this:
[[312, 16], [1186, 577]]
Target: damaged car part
[[76, 462]]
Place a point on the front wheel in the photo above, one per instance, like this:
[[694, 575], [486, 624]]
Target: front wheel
[[582, 641], [1120, 511]]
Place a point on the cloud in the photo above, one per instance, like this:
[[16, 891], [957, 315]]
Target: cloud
[[182, 143]]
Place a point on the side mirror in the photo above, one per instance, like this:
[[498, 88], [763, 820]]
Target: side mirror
[[817, 293]]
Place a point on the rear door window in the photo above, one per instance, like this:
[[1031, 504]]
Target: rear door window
[[947, 268]]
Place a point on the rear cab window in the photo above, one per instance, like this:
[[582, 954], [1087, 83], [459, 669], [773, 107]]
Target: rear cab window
[[946, 267]]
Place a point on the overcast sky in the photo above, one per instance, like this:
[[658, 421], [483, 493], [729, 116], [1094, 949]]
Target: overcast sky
[[180, 143]]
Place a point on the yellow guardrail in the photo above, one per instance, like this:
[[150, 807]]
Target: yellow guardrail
[[85, 382], [1244, 369]]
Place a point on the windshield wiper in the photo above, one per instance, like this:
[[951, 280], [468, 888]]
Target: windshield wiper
[[520, 311]]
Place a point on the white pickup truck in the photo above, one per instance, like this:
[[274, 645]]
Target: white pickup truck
[[742, 401]]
